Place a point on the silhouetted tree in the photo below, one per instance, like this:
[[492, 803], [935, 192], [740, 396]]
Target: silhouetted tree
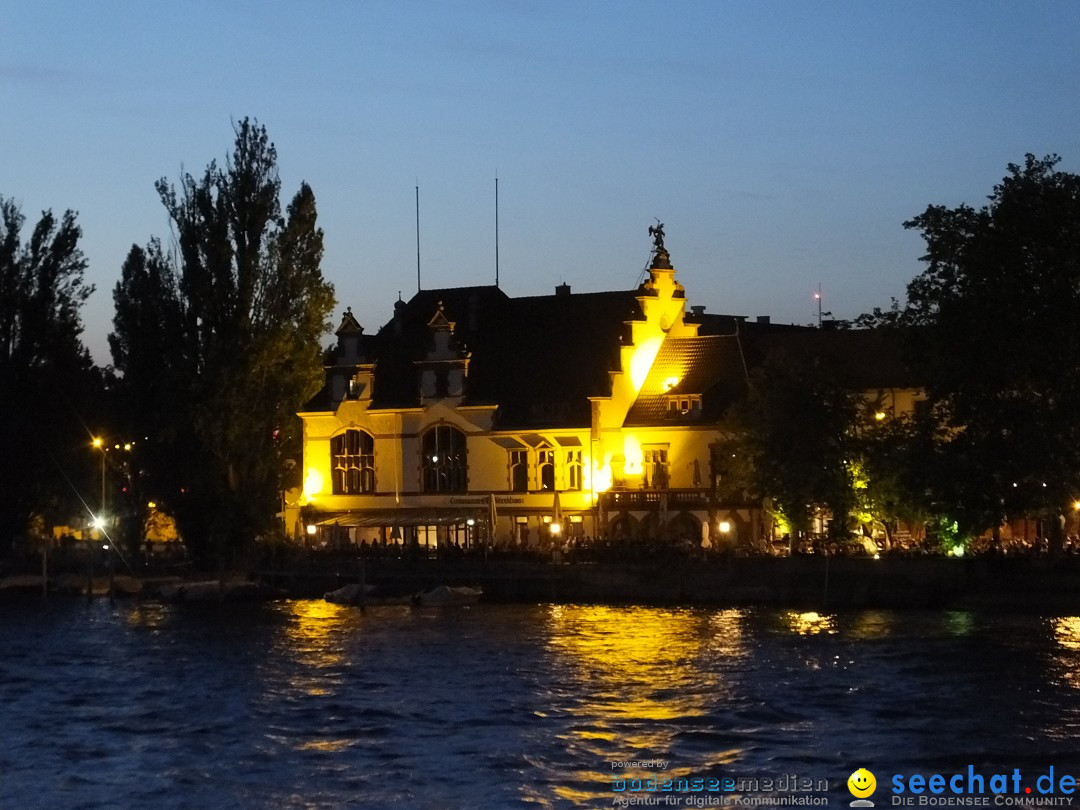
[[218, 340], [793, 439], [46, 374], [1000, 348]]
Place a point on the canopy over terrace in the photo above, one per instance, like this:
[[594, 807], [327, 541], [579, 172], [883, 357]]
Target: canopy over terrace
[[375, 518]]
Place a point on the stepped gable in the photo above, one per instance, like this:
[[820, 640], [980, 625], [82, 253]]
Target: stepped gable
[[711, 367]]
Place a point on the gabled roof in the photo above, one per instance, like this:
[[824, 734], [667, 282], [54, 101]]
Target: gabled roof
[[710, 367], [349, 324], [538, 358]]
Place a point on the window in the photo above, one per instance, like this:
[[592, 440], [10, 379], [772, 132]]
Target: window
[[352, 462], [655, 461], [519, 470], [684, 405], [545, 468], [444, 466], [573, 469]]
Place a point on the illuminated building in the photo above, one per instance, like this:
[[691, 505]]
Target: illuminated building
[[473, 416]]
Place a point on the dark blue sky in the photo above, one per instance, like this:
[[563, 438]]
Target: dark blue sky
[[782, 143]]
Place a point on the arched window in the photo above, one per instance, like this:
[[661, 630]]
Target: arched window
[[519, 470], [545, 467], [573, 469], [444, 465], [352, 462]]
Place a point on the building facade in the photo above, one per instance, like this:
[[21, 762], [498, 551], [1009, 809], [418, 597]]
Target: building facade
[[473, 417]]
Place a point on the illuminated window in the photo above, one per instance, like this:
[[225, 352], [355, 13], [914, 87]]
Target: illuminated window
[[545, 467], [655, 462], [519, 470], [573, 469], [352, 461], [444, 466], [684, 405]]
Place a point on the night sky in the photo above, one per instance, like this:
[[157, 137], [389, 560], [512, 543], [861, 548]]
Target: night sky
[[782, 144]]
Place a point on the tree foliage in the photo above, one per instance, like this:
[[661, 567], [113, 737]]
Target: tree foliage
[[44, 367], [218, 339], [999, 344], [794, 439]]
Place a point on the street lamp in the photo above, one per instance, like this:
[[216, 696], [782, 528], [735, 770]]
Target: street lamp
[[100, 445]]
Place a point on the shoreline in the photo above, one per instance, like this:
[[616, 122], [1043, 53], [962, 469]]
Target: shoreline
[[1003, 584]]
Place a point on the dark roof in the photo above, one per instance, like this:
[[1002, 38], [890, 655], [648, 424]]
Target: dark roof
[[538, 358], [862, 359], [711, 367]]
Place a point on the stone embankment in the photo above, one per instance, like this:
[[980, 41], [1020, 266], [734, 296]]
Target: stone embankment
[[1022, 584]]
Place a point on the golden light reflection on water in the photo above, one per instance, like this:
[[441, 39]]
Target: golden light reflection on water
[[312, 637], [1067, 635], [809, 623], [638, 669]]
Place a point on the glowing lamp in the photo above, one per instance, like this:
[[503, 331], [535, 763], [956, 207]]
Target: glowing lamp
[[555, 528], [311, 528], [725, 527], [97, 442], [313, 483], [879, 415]]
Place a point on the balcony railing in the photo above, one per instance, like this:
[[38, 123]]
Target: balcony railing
[[650, 499]]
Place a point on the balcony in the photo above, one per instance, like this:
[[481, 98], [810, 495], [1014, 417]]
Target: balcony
[[649, 499]]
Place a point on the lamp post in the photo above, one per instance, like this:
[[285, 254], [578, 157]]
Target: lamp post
[[100, 445]]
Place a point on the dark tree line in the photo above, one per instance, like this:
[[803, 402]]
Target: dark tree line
[[48, 384], [991, 329], [216, 345]]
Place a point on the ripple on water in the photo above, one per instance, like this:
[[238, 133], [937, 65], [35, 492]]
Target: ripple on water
[[307, 705]]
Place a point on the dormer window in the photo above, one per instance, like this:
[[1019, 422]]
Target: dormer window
[[684, 405]]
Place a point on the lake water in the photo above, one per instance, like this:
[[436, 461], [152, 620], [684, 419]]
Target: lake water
[[305, 704]]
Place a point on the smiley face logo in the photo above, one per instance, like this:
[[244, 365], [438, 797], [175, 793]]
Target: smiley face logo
[[861, 783]]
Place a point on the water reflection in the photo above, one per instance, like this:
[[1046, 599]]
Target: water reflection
[[810, 623], [641, 661], [314, 638], [631, 680], [1067, 658]]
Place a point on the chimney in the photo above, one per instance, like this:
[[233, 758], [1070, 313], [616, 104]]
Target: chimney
[[563, 290], [765, 319], [698, 310]]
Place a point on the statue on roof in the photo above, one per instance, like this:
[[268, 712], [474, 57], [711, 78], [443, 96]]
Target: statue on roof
[[657, 233]]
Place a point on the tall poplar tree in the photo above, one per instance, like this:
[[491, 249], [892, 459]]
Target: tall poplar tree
[[218, 340], [46, 375]]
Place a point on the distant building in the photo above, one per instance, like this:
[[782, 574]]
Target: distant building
[[476, 417]]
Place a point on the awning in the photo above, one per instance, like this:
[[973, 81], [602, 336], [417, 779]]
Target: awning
[[568, 441], [509, 442], [405, 517]]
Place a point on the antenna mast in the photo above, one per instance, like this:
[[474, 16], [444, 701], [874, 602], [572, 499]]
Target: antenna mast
[[418, 237], [496, 229]]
